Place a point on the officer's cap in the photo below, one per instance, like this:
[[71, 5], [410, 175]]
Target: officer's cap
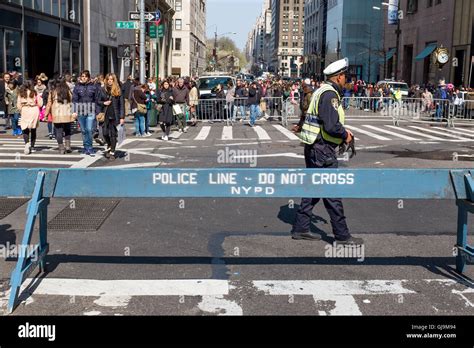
[[337, 67]]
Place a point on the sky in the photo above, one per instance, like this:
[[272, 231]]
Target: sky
[[232, 16]]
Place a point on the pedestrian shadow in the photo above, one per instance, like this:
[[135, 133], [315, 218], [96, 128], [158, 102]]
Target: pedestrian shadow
[[7, 235], [288, 216]]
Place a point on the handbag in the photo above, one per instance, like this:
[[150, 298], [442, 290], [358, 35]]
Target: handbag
[[177, 110], [141, 108], [101, 116]]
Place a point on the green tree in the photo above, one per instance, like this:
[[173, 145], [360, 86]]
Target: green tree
[[226, 47]]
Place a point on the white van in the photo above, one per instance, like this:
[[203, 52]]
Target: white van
[[393, 86]]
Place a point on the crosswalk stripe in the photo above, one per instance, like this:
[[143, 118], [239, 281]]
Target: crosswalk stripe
[[466, 130], [415, 133], [370, 134], [391, 133], [40, 155], [261, 133], [455, 132], [286, 132], [38, 161], [203, 134], [440, 133], [227, 133]]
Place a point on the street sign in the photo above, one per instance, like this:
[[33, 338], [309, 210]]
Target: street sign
[[149, 16], [153, 30], [161, 30], [124, 51], [127, 25]]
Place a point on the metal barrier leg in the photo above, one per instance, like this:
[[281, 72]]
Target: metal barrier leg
[[462, 237], [27, 262]]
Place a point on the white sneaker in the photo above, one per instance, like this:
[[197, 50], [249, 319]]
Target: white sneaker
[[147, 135], [27, 150], [180, 131], [165, 138]]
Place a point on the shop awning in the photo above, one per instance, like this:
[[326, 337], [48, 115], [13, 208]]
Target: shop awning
[[426, 52], [390, 53]]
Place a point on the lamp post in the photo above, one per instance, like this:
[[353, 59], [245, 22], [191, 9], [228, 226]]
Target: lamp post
[[215, 45], [383, 43], [398, 32], [338, 49]]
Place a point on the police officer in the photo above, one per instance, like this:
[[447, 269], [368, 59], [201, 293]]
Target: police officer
[[322, 130]]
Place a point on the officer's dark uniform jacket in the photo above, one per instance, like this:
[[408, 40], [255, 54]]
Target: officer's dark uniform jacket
[[329, 117]]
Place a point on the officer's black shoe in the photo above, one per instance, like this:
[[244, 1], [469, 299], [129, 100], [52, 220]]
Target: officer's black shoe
[[305, 236], [350, 241]]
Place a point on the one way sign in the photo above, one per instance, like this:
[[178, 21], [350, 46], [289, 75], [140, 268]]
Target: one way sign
[[149, 16]]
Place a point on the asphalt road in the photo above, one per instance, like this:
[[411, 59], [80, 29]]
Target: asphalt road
[[235, 256]]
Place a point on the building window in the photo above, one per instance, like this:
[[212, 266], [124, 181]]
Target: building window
[[178, 24], [412, 6], [177, 44], [178, 5], [429, 3]]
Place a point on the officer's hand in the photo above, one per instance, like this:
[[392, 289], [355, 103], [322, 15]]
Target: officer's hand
[[296, 129], [350, 137]]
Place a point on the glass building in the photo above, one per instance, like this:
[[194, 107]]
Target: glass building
[[355, 30], [40, 36]]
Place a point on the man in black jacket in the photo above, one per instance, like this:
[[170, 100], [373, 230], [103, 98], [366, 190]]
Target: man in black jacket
[[253, 102], [126, 87]]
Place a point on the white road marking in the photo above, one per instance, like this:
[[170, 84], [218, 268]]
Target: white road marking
[[132, 166], [457, 131], [220, 306], [370, 134], [327, 288], [440, 133], [38, 161], [227, 133], [113, 301], [261, 133], [416, 133], [175, 135], [391, 133], [87, 161], [466, 130], [135, 152], [161, 287], [286, 132], [291, 155], [44, 155], [343, 305], [203, 134]]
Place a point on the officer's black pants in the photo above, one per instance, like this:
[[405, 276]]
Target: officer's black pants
[[321, 156]]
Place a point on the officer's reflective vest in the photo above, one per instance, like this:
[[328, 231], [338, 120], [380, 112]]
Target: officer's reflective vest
[[312, 127]]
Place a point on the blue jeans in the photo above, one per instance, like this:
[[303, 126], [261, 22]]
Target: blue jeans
[[243, 112], [253, 114], [15, 118], [87, 123], [139, 124]]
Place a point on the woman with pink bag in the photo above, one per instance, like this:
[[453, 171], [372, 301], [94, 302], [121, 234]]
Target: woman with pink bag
[[29, 104]]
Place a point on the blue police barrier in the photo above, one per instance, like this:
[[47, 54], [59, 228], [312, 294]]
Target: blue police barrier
[[43, 184]]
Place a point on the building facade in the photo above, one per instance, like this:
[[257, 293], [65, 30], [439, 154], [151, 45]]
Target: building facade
[[463, 43], [189, 38], [287, 38], [41, 36], [101, 38], [314, 51], [424, 26]]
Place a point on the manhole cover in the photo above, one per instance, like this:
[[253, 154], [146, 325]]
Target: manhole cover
[[9, 205], [84, 215]]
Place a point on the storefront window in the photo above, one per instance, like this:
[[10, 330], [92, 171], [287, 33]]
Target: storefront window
[[39, 5], [28, 3], [13, 50], [76, 57], [66, 56], [55, 8], [64, 9], [2, 63], [47, 6]]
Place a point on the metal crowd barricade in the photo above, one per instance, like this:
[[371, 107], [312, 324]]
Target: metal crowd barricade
[[43, 184], [291, 111]]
